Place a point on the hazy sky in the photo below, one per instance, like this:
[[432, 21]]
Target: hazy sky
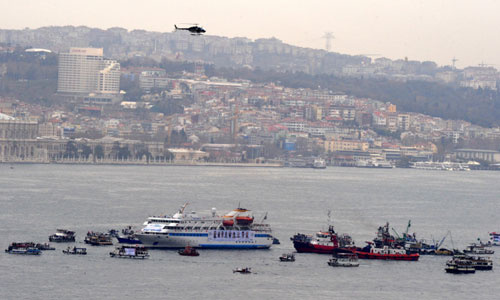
[[435, 30]]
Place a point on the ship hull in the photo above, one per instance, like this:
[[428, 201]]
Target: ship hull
[[460, 270], [303, 247], [405, 257], [202, 241], [124, 240]]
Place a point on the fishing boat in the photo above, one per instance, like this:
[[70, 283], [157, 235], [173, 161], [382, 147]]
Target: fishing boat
[[385, 253], [384, 238], [16, 245], [62, 235], [25, 251], [130, 251], [406, 240], [129, 239], [189, 251], [23, 248], [344, 260], [421, 247], [243, 270], [494, 239], [444, 252], [234, 230], [460, 266], [287, 257], [478, 250], [98, 239], [75, 251], [44, 246], [127, 236]]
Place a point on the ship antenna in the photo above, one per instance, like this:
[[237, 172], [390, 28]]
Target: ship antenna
[[264, 218], [183, 207]]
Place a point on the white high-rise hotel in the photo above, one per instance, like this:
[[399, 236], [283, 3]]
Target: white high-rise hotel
[[84, 71]]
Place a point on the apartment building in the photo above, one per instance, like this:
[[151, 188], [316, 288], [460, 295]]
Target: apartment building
[[84, 71]]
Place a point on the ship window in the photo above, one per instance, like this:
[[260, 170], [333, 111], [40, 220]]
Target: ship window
[[189, 228]]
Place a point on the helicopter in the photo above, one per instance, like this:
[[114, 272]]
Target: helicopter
[[194, 30]]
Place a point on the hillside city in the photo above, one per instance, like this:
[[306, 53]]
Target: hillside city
[[83, 95]]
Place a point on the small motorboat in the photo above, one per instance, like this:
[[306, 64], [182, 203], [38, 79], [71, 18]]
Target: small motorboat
[[75, 251], [129, 251], [62, 235], [276, 241], [494, 239], [246, 270], [189, 251], [287, 257], [344, 260], [244, 220]]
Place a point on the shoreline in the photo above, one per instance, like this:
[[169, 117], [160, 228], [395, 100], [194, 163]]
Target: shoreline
[[139, 163]]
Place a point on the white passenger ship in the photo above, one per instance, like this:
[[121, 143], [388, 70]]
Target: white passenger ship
[[235, 230]]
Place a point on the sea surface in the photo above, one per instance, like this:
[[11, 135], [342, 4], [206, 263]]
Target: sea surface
[[37, 199]]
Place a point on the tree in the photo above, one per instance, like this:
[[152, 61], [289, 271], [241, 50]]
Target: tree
[[141, 150], [168, 155], [86, 151], [99, 151], [177, 138], [124, 152], [71, 150], [115, 149]]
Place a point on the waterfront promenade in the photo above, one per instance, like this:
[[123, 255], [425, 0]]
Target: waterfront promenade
[[150, 162]]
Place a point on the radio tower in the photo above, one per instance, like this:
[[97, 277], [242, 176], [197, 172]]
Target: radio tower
[[328, 36], [454, 60]]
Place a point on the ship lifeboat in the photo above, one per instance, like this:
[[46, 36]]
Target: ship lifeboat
[[244, 220], [228, 222]]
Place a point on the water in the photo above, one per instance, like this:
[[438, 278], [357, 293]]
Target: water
[[37, 199]]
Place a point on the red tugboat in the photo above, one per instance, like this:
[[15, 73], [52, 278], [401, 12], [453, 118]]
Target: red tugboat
[[385, 246], [324, 242]]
